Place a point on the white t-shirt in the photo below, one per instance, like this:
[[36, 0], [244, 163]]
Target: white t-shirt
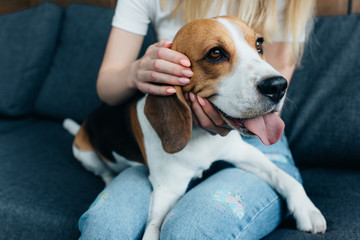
[[135, 15]]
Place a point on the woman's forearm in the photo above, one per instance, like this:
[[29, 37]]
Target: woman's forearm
[[116, 85], [115, 78], [155, 73]]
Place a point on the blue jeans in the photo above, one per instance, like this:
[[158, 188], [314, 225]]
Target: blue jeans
[[227, 203]]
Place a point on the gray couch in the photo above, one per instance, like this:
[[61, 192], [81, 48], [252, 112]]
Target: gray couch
[[49, 58]]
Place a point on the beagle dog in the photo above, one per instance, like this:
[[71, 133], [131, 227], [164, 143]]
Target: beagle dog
[[229, 70]]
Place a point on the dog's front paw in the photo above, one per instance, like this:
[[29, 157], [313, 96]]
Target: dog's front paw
[[308, 218]]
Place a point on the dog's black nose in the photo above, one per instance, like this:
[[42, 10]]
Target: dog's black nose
[[274, 88]]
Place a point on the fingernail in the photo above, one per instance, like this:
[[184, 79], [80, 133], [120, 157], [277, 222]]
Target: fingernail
[[185, 63], [168, 44], [171, 90], [184, 80], [201, 101], [192, 97], [187, 73]]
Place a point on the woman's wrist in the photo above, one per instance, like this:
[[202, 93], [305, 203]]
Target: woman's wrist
[[115, 86], [133, 78]]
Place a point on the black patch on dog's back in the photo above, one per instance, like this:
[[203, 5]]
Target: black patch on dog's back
[[109, 129]]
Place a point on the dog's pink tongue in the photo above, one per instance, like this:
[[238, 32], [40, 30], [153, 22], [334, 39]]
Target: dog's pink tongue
[[269, 128]]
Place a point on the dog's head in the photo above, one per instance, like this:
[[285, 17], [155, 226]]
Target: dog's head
[[229, 70]]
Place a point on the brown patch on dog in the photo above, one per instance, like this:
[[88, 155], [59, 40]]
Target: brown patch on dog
[[82, 141], [170, 116], [195, 40], [136, 129]]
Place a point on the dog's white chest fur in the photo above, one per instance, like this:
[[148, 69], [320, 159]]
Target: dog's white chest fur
[[202, 150]]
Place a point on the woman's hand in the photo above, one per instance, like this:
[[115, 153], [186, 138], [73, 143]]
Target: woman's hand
[[161, 68], [206, 116]]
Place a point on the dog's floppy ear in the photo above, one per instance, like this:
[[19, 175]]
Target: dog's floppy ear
[[170, 116]]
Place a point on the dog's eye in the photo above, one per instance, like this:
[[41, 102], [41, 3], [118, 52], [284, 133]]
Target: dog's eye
[[216, 55], [258, 45]]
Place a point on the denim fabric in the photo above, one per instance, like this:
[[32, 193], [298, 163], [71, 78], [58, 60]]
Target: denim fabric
[[229, 204]]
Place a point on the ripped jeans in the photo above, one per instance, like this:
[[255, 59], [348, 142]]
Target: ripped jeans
[[226, 203]]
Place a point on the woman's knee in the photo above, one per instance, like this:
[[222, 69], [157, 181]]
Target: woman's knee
[[249, 227], [229, 204], [120, 210]]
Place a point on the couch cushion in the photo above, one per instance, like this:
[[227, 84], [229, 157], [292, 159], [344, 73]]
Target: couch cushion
[[322, 115], [43, 189], [70, 87], [337, 194], [9, 124], [27, 43]]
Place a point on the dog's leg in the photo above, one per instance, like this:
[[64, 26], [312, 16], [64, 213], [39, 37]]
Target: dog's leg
[[85, 153], [92, 162], [167, 190], [308, 217]]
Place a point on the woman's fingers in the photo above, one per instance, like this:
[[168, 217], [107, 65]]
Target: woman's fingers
[[161, 78], [211, 112], [163, 43], [162, 50], [156, 89], [162, 71], [162, 66], [207, 116]]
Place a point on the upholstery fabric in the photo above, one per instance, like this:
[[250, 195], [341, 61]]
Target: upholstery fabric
[[336, 192], [8, 124], [70, 88], [27, 43], [43, 189], [322, 114]]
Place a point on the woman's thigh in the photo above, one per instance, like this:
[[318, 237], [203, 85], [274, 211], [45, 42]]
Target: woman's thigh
[[231, 204], [120, 210]]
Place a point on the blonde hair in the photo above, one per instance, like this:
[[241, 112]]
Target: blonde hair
[[261, 15]]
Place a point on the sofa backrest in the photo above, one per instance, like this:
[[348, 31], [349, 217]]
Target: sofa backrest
[[69, 89], [50, 58], [322, 114], [27, 44]]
